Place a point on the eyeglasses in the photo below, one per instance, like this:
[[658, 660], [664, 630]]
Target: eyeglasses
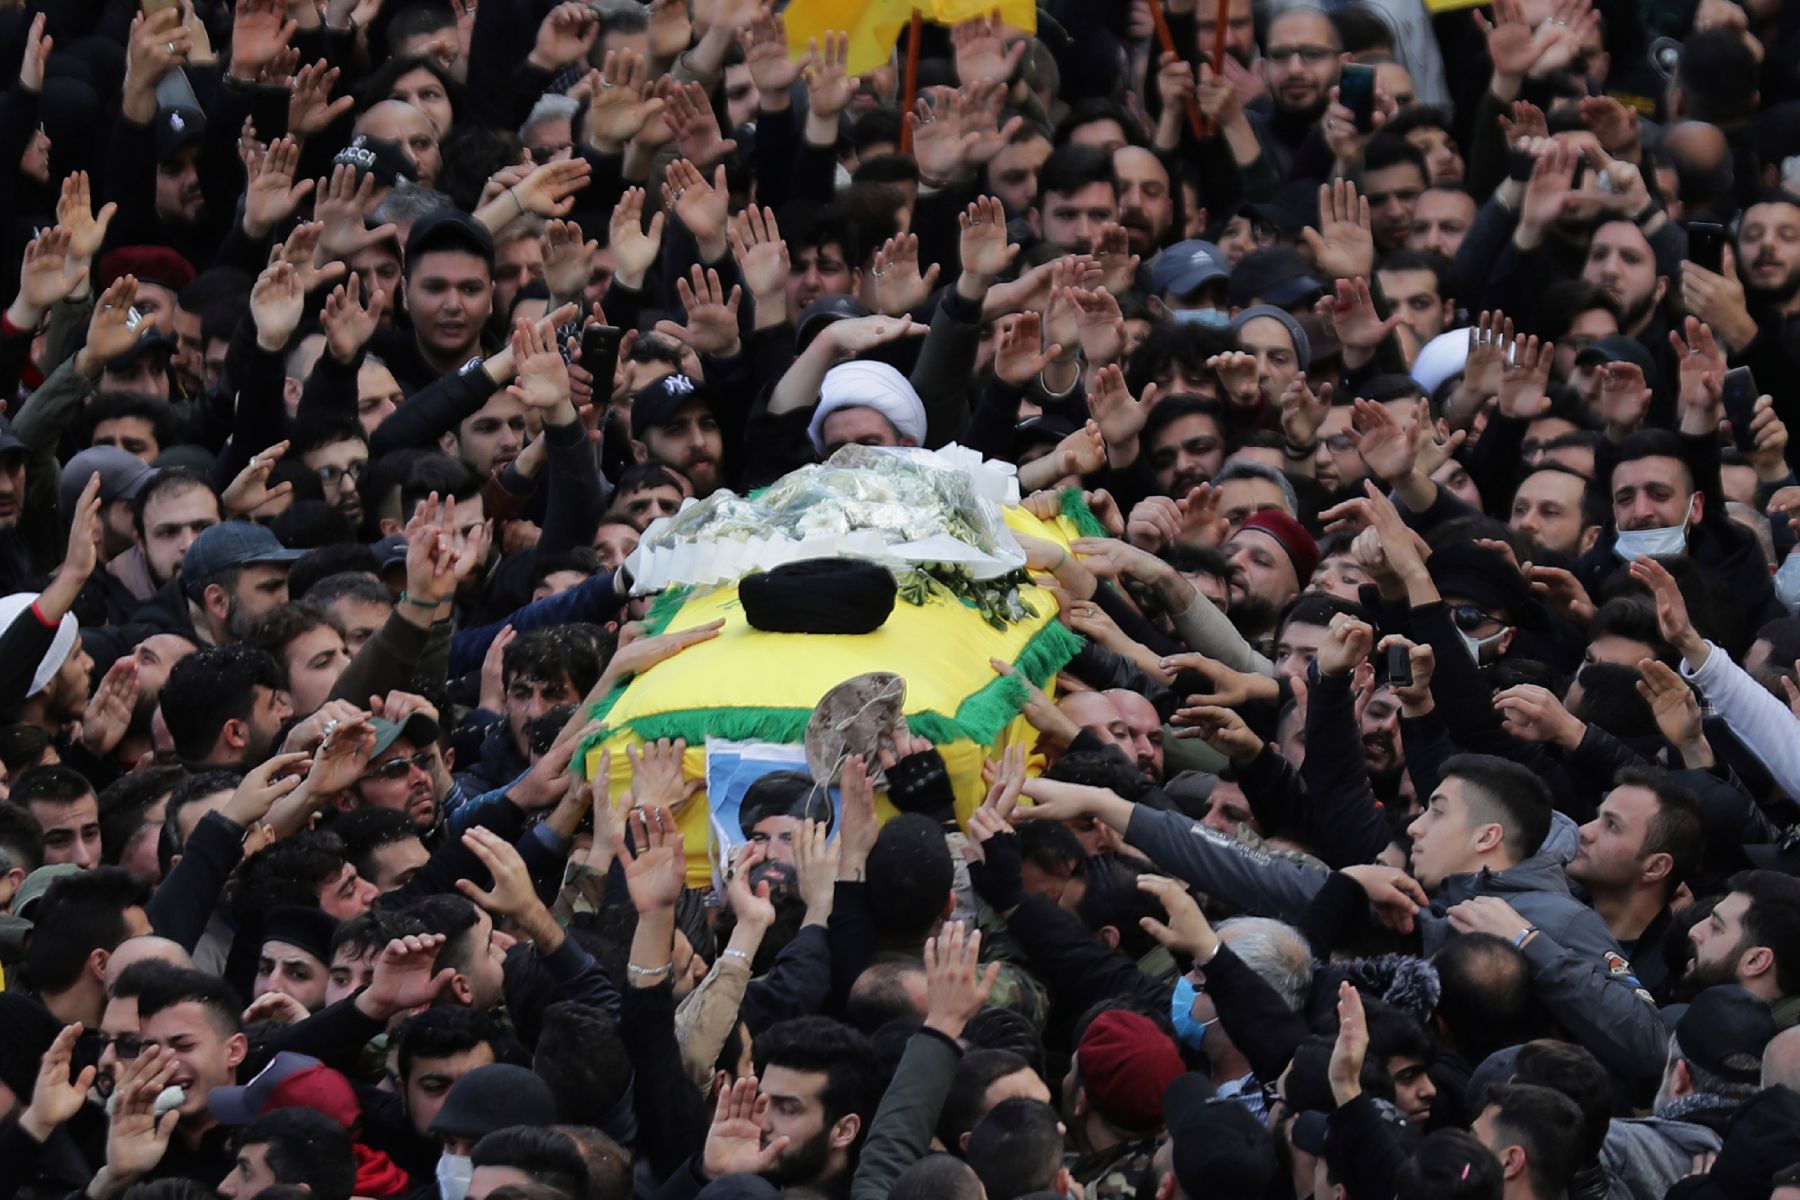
[[1469, 617], [126, 1046], [1340, 443], [1312, 56], [332, 476], [543, 154], [398, 768]]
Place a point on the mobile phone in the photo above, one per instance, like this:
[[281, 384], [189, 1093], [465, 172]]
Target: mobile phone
[[600, 355], [1356, 92], [1580, 176], [1740, 405], [1399, 666], [1706, 245]]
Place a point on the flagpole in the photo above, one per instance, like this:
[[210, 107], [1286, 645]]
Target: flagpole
[[913, 33], [1167, 41]]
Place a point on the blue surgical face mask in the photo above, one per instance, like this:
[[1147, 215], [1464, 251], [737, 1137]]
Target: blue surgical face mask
[[1211, 318], [1668, 542], [1787, 582], [1188, 1031]]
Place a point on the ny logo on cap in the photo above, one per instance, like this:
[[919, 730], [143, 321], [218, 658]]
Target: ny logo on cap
[[177, 122], [677, 385]]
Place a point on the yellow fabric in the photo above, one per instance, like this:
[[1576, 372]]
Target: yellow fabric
[[942, 649], [875, 25]]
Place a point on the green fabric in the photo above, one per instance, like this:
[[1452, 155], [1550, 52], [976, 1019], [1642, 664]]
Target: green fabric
[[662, 611], [1075, 508]]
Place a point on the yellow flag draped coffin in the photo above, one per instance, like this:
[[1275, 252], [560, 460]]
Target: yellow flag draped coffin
[[942, 521]]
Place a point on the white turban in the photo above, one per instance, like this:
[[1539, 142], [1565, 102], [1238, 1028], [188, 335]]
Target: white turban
[[1440, 358], [875, 385], [12, 608]]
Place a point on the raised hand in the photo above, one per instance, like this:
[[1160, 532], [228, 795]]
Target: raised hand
[[1359, 326], [541, 377], [44, 280], [311, 110], [772, 69], [1352, 1046], [1221, 728], [271, 195], [1303, 411], [406, 976], [1509, 42], [111, 332], [617, 104], [657, 779], [655, 877], [1534, 714], [513, 894], [1101, 324], [1121, 417], [695, 125], [339, 203], [857, 834], [858, 335], [75, 214], [956, 987], [670, 28], [712, 316], [1118, 265], [828, 84], [1701, 399], [762, 260], [1343, 245], [1676, 708], [940, 143], [1719, 300], [349, 323], [984, 249], [1020, 356], [277, 303], [108, 713], [634, 248], [1671, 610], [1547, 193], [900, 287], [982, 53], [1237, 374], [564, 36], [1346, 645], [549, 190], [137, 1137], [1187, 931], [57, 1097], [701, 206], [734, 1142], [1624, 398], [260, 33], [1525, 380]]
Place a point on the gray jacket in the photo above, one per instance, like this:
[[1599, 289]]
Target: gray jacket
[[1581, 974], [1648, 1154]]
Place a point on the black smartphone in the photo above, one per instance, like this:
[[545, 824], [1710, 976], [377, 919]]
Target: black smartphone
[[1706, 246], [600, 355], [1740, 405], [1399, 666], [1356, 92]]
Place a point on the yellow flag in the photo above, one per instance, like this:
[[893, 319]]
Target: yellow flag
[[875, 26]]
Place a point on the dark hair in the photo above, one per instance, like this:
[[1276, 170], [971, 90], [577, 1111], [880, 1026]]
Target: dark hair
[[146, 973], [363, 831], [1174, 344], [1718, 75], [193, 987], [1547, 1124], [1772, 920], [1631, 617], [381, 81], [609, 1164], [112, 406], [549, 654], [1486, 1001], [1051, 846], [1508, 794], [1610, 701], [54, 784], [879, 995], [1407, 259], [1092, 110], [1593, 496], [280, 625], [1111, 897], [289, 872], [21, 839], [1564, 300], [909, 877], [434, 473], [352, 585], [820, 1045], [303, 1146], [965, 1103], [1391, 150], [1171, 409], [1071, 168], [1361, 29], [443, 1031], [582, 1058], [126, 801], [415, 19], [1016, 1148], [548, 1157], [210, 687], [640, 477], [1450, 1164], [1318, 608], [194, 787], [1574, 1071], [1656, 443], [936, 1177], [77, 915], [874, 127], [168, 481], [1418, 116], [1107, 767], [1010, 1030], [1396, 1033], [22, 745]]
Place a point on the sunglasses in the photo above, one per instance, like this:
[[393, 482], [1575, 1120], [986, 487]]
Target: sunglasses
[[398, 768], [1469, 617]]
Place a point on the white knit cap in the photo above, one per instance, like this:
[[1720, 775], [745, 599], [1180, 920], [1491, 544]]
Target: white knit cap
[[875, 385], [13, 608]]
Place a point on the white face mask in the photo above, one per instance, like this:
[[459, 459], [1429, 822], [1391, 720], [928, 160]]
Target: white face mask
[[453, 1174], [1668, 542], [1475, 645], [1787, 582]]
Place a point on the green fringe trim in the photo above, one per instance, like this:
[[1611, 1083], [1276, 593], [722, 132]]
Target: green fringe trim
[[1076, 509], [980, 718], [662, 612]]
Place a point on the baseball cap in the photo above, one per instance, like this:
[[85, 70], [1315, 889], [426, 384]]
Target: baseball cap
[[233, 544], [391, 550], [122, 476], [417, 728], [8, 439], [824, 311], [1616, 347], [152, 341], [1724, 1030], [1782, 854], [1298, 544], [1277, 275], [289, 1081], [449, 229], [380, 157], [177, 126], [36, 884], [655, 404], [494, 1097], [1126, 1065], [1185, 266], [1217, 1147]]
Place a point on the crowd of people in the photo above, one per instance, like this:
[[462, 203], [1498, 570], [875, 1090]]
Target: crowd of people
[[1416, 820]]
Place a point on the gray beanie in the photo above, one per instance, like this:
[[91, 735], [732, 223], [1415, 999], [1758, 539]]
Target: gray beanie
[[1302, 346]]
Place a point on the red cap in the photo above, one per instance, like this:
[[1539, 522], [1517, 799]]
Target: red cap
[[1302, 551], [151, 264], [1126, 1064]]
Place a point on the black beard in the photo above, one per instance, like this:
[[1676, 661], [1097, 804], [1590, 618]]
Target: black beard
[[1253, 615], [1629, 319], [1777, 296], [802, 1164]]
